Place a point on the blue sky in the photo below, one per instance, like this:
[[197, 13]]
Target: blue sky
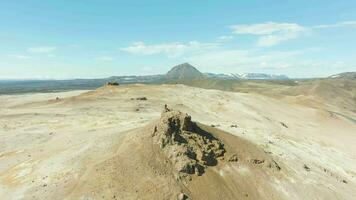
[[98, 38]]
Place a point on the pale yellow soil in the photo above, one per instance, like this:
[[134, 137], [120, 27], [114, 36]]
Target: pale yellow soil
[[96, 145]]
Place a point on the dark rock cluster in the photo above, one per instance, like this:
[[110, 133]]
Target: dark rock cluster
[[112, 83]]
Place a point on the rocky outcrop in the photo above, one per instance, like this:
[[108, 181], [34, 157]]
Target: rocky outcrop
[[140, 98], [190, 149], [112, 83]]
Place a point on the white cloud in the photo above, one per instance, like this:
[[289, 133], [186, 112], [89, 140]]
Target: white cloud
[[105, 58], [271, 40], [42, 49], [170, 49], [73, 45], [291, 63], [266, 28], [338, 25], [225, 38], [270, 33], [20, 57], [229, 61]]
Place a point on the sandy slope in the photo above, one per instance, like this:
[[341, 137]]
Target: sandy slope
[[94, 144]]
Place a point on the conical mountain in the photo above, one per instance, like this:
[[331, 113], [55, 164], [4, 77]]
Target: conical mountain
[[184, 71]]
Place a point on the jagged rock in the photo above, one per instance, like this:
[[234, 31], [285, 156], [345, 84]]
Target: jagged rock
[[182, 196], [306, 167], [233, 158], [190, 149], [140, 98], [283, 124], [165, 109], [257, 161], [274, 165]]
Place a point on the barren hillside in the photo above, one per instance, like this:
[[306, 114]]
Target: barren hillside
[[116, 143]]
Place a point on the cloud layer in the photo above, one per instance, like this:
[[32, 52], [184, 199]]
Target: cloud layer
[[105, 58], [270, 33], [338, 25], [171, 49], [19, 56], [41, 49]]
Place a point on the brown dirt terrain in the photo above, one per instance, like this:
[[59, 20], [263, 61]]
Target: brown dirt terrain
[[101, 144]]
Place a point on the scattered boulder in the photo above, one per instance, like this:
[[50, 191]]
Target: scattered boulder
[[257, 161], [233, 158], [284, 125], [140, 98], [182, 196], [306, 168], [274, 165], [234, 126], [214, 125], [166, 109], [190, 149]]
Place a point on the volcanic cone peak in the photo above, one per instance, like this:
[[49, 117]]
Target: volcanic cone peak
[[189, 148]]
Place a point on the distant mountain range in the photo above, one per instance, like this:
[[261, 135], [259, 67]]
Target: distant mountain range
[[187, 71], [180, 73]]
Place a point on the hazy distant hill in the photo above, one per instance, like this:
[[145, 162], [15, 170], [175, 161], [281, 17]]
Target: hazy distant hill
[[249, 76], [136, 79], [184, 71], [219, 76], [347, 75], [256, 76]]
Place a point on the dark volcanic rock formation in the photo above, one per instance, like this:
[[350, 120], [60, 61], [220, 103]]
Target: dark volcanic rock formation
[[190, 149]]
